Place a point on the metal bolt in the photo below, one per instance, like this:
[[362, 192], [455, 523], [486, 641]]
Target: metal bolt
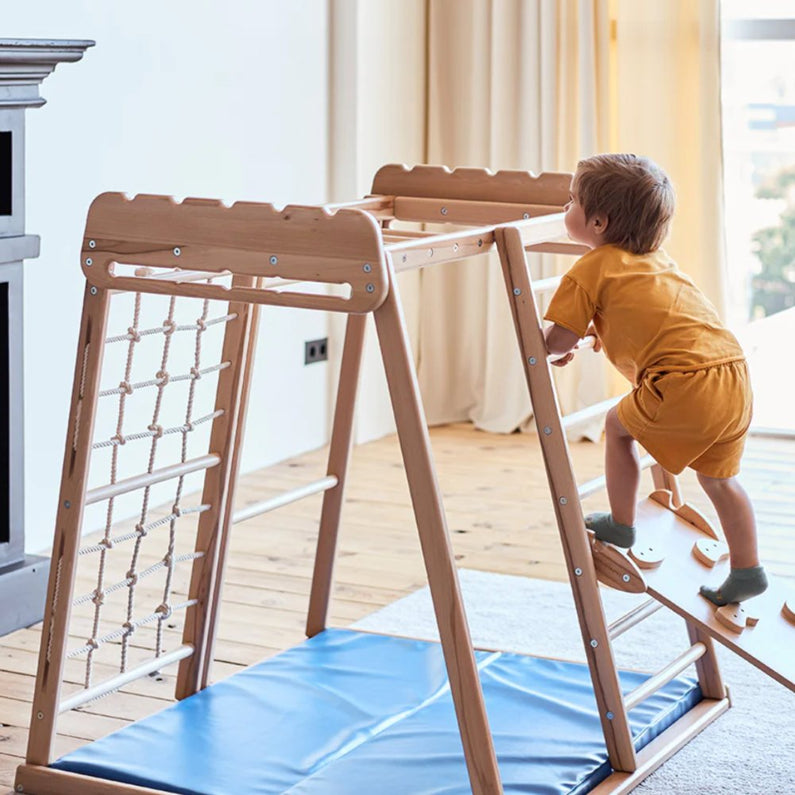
[[578, 572], [517, 291], [89, 261], [525, 215], [405, 257], [547, 430], [92, 243], [370, 288], [625, 577], [455, 246], [430, 252], [367, 267], [40, 715], [532, 360], [480, 242], [67, 504], [20, 788], [444, 210], [93, 291], [594, 643], [177, 251], [610, 716], [274, 259], [563, 501]]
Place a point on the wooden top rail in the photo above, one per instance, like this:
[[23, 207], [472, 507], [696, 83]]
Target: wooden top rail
[[305, 244], [550, 189]]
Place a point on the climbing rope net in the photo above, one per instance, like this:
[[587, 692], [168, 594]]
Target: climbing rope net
[[132, 588]]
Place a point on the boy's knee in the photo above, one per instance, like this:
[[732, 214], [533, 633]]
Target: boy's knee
[[716, 485]]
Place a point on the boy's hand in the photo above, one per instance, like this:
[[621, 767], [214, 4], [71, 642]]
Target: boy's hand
[[564, 360], [591, 332]]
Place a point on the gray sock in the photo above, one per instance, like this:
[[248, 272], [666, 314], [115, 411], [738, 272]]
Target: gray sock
[[741, 584], [606, 528]]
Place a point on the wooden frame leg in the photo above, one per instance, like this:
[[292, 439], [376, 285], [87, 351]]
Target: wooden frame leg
[[339, 453], [436, 547]]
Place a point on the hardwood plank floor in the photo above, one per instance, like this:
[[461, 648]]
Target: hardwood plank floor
[[499, 515]]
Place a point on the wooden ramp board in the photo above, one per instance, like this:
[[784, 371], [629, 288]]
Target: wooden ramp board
[[769, 644]]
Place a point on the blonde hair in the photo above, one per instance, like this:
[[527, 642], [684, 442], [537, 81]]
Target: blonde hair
[[633, 192]]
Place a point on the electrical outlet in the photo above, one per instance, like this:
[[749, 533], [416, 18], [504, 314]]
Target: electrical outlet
[[316, 351]]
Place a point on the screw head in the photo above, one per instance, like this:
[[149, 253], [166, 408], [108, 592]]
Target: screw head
[[92, 243], [547, 430], [532, 360], [367, 267], [564, 501], [67, 504], [93, 291], [517, 291], [89, 262], [625, 577], [480, 242], [430, 252], [610, 716], [177, 251], [455, 246], [525, 216], [40, 715], [370, 288], [578, 571], [444, 210], [274, 259], [19, 788], [594, 643]]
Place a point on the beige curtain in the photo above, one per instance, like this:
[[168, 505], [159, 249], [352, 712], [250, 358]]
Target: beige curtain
[[539, 84], [513, 84], [667, 106]]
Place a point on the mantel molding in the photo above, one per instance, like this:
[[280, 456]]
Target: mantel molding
[[25, 63]]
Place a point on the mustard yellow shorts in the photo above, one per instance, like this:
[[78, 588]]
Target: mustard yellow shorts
[[697, 418]]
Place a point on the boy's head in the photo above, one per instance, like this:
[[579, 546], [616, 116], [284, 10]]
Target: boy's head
[[632, 197]]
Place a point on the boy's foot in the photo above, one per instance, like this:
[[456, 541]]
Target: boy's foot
[[741, 584], [606, 528]]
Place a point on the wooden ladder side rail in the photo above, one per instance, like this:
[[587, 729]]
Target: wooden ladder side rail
[[568, 511], [66, 544], [436, 546], [245, 360], [213, 526], [338, 457]]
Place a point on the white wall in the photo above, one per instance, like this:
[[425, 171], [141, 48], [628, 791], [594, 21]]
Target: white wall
[[187, 98]]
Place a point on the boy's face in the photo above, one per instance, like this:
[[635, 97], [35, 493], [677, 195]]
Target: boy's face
[[581, 229]]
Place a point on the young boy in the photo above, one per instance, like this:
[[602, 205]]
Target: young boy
[[691, 399]]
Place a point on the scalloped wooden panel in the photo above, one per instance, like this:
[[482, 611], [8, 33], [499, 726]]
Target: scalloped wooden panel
[[473, 184]]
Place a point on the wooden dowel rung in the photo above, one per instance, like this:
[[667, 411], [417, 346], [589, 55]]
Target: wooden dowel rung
[[591, 486], [116, 682], [663, 676], [633, 617], [546, 285], [179, 276], [280, 500], [151, 478], [591, 412]]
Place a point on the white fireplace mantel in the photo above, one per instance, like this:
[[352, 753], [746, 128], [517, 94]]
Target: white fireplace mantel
[[24, 63]]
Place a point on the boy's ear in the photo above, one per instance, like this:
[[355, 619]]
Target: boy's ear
[[599, 223]]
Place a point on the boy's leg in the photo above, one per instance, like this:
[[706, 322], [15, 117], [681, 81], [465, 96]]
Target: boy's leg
[[747, 578], [622, 472]]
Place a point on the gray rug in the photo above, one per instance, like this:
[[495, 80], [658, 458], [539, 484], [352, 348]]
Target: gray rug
[[750, 750]]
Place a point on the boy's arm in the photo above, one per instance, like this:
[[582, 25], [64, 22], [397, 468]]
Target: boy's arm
[[560, 340]]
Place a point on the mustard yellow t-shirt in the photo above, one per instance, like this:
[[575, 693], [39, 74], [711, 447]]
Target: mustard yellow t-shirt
[[648, 314]]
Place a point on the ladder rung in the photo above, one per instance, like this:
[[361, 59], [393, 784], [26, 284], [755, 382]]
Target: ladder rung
[[633, 617], [149, 667], [150, 478], [665, 675], [285, 498], [546, 285], [591, 412], [591, 486]]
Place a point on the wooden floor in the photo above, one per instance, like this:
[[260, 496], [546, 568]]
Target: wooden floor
[[499, 515]]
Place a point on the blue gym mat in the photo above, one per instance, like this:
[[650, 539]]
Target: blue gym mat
[[353, 713]]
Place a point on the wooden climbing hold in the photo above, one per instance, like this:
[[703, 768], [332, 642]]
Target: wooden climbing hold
[[647, 556], [614, 568], [736, 617], [788, 610], [709, 551]]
